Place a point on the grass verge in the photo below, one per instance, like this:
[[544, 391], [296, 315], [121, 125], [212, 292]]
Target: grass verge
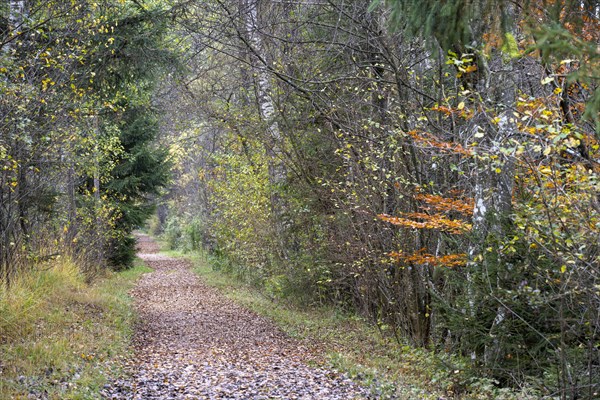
[[352, 345], [61, 338]]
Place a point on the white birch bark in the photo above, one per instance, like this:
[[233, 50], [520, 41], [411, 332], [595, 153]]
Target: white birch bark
[[494, 185], [16, 13], [266, 105], [264, 89], [494, 177]]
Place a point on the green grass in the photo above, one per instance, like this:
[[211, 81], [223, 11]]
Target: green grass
[[63, 338], [352, 345]]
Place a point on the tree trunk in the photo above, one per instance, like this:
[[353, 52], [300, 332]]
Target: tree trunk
[[266, 107], [493, 182], [16, 10], [12, 222]]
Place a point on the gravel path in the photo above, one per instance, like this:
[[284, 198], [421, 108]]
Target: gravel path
[[193, 343]]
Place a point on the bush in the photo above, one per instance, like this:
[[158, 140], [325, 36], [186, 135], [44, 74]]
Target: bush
[[154, 226], [192, 236], [121, 252], [172, 233]]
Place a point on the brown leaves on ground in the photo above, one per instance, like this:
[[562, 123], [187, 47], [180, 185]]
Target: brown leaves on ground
[[193, 343]]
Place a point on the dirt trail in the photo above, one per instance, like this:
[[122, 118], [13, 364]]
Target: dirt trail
[[193, 343]]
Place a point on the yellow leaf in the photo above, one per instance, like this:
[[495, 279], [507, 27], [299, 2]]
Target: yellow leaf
[[461, 105], [547, 80]]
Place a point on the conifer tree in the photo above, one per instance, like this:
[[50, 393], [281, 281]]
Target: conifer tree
[[130, 72], [140, 172]]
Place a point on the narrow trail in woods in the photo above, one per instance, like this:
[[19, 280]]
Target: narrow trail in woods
[[193, 343]]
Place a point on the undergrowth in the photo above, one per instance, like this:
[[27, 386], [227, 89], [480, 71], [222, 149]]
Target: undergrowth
[[353, 345], [61, 338]]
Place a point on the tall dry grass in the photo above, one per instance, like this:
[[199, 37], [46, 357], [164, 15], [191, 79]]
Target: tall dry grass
[[60, 337]]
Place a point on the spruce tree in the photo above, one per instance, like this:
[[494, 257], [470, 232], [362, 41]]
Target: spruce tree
[[130, 71], [140, 171]]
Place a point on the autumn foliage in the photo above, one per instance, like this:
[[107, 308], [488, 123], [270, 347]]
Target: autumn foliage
[[432, 166]]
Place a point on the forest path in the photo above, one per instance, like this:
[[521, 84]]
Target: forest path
[[193, 343]]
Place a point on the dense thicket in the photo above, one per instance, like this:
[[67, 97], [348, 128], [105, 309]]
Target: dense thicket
[[432, 165], [77, 163]]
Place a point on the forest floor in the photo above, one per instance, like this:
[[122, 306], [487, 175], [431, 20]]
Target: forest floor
[[193, 342]]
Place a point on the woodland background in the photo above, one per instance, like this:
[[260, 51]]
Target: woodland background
[[432, 166]]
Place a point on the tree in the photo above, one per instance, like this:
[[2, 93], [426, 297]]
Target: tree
[[140, 171], [496, 266], [425, 170], [70, 73], [131, 67]]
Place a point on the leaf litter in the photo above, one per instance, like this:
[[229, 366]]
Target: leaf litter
[[193, 343]]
